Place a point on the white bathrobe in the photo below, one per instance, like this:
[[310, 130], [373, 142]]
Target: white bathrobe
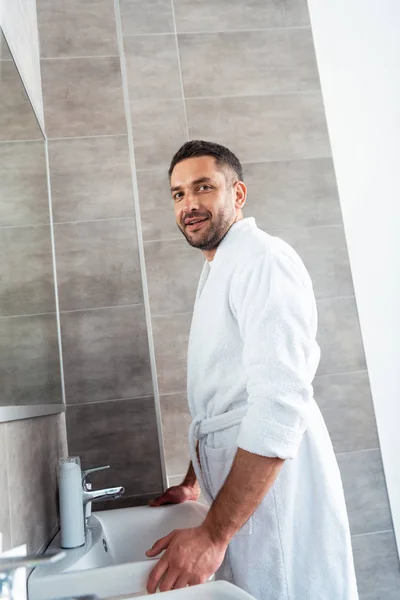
[[252, 358]]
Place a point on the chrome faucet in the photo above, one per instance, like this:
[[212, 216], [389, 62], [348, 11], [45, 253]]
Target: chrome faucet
[[89, 495], [10, 564]]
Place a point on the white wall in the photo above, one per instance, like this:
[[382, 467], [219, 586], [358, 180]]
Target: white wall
[[18, 20], [358, 51]]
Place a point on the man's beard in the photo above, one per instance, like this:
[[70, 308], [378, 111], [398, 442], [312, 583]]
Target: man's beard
[[216, 231]]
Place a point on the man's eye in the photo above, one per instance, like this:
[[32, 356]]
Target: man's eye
[[178, 197], [205, 187]]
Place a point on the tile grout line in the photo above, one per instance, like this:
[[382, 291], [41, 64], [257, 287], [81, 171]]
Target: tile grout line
[[256, 162], [88, 137], [180, 72], [53, 251], [72, 310], [147, 308], [8, 485], [45, 58], [355, 535], [135, 398], [316, 91], [219, 31], [356, 451]]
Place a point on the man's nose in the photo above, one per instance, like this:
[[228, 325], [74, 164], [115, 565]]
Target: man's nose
[[190, 203]]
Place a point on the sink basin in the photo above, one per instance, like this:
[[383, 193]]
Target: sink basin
[[113, 560], [215, 590]]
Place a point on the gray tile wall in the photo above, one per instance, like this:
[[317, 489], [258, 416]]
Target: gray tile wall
[[29, 353], [29, 451], [111, 409], [246, 76]]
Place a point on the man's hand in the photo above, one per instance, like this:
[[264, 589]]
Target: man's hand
[[191, 557], [177, 494]]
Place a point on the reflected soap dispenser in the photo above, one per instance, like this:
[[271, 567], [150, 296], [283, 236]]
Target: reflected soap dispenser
[[71, 503]]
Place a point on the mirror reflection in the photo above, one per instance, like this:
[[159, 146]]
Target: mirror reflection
[[29, 355]]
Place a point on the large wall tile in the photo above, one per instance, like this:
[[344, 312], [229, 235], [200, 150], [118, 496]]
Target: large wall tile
[[324, 252], [346, 404], [365, 491], [106, 354], [377, 566], [90, 179], [173, 270], [339, 336], [152, 16], [5, 528], [159, 129], [258, 128], [78, 93], [29, 361], [176, 420], [23, 189], [76, 28], [33, 478], [122, 434], [156, 206], [299, 193], [98, 264], [213, 15], [17, 119], [152, 67], [171, 338], [26, 267], [257, 62]]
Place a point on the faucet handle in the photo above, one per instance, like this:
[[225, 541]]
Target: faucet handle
[[86, 473]]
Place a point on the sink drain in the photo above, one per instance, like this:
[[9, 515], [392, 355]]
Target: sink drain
[[105, 545]]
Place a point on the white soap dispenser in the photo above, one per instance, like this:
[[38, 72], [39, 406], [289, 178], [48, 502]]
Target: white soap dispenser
[[71, 503]]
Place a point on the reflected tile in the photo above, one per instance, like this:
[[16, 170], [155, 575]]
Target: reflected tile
[[152, 16], [35, 446], [287, 194], [98, 264], [23, 189], [17, 119], [152, 67], [29, 361], [26, 267], [324, 252], [122, 434], [159, 130], [5, 526], [212, 15], [339, 336], [91, 179], [171, 338], [263, 128], [346, 405], [173, 270], [156, 206], [377, 566], [76, 28], [295, 13], [365, 491], [78, 93], [176, 420], [106, 354], [255, 62]]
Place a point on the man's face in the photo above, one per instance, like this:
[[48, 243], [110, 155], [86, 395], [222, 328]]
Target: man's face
[[204, 198]]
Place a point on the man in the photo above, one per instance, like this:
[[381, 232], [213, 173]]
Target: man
[[277, 526]]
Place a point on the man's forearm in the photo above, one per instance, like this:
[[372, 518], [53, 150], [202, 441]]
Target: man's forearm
[[190, 479], [249, 480]]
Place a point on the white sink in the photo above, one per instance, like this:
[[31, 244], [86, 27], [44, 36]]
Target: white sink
[[113, 560], [215, 590]]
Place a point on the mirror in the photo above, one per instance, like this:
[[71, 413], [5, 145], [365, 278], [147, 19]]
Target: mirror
[[30, 372]]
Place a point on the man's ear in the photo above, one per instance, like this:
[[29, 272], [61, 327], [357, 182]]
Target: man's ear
[[241, 194]]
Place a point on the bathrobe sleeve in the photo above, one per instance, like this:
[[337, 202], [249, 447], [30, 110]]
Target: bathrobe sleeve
[[274, 304]]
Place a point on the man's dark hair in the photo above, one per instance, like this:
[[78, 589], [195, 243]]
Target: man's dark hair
[[196, 148]]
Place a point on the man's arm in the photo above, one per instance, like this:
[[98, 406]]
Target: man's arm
[[189, 489], [249, 480], [193, 555]]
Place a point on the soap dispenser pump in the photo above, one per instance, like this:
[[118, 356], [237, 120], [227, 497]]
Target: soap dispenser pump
[[71, 503]]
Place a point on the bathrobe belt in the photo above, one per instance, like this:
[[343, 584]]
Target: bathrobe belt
[[202, 426]]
